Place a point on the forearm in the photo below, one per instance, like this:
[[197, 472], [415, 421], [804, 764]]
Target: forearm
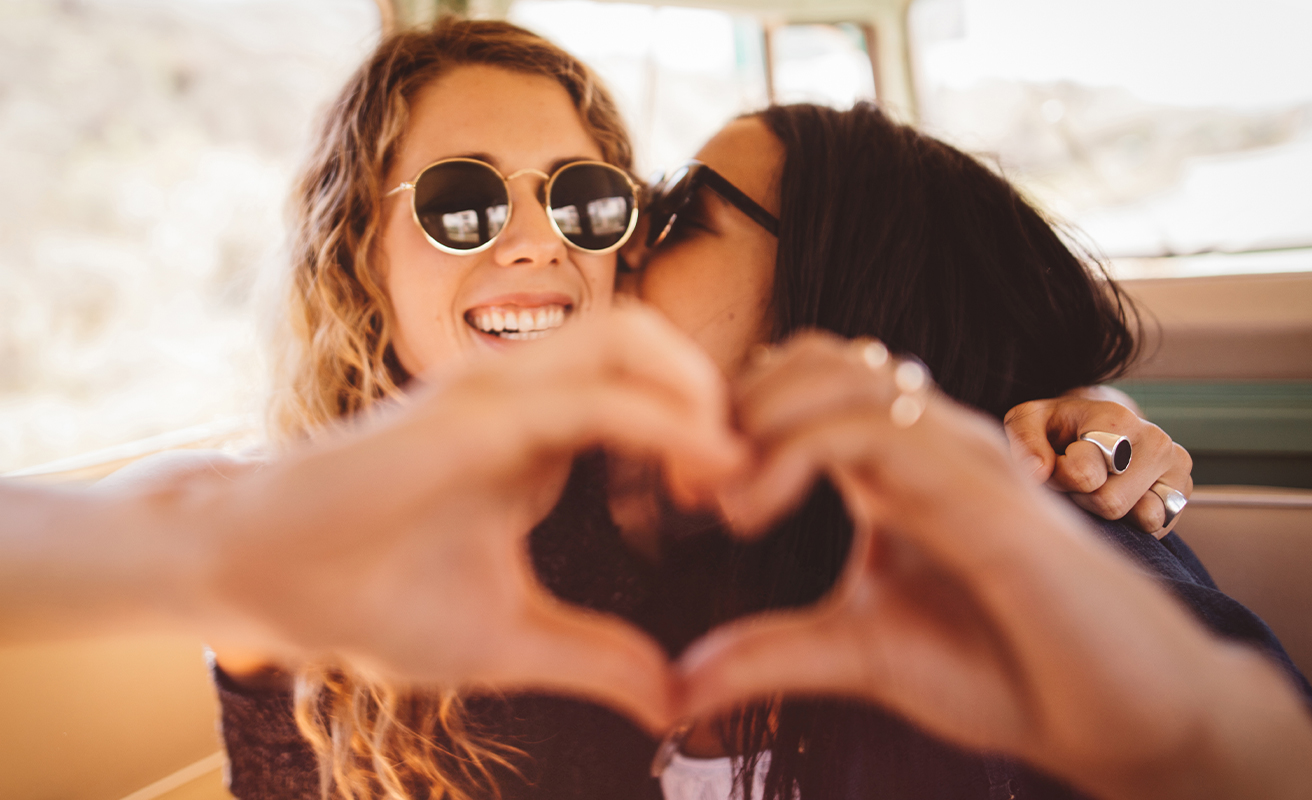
[[1213, 719], [75, 562], [1265, 728], [1253, 739]]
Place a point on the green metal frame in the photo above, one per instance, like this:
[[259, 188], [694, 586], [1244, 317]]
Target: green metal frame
[[1253, 433]]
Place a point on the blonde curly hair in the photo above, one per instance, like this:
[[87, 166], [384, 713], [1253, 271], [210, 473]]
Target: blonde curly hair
[[333, 359]]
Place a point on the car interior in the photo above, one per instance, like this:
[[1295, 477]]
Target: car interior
[[1202, 209]]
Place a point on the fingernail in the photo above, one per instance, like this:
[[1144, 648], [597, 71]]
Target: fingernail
[[1034, 464]]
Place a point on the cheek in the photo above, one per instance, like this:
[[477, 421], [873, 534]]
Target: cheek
[[421, 287], [599, 279], [672, 284], [718, 297]]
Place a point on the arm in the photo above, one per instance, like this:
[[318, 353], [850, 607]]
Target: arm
[[398, 546], [79, 562], [247, 666], [978, 606]]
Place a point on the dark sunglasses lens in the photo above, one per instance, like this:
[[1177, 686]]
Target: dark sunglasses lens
[[668, 198], [461, 204], [592, 205]]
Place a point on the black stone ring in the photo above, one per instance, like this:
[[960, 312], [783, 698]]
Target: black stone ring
[[1116, 450]]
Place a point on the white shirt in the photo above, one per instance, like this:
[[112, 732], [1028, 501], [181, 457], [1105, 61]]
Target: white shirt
[[708, 778]]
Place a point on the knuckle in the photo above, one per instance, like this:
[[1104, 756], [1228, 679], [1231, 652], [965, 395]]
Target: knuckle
[[1021, 413], [1181, 456], [1083, 476], [1122, 417], [1105, 415], [1155, 438], [1148, 519], [1108, 505]]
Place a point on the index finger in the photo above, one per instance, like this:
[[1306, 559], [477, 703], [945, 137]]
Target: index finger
[[635, 342]]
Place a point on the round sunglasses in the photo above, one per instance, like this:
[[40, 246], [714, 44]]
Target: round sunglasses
[[463, 204]]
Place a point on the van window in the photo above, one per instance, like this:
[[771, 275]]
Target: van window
[[678, 74], [146, 150], [1158, 128]]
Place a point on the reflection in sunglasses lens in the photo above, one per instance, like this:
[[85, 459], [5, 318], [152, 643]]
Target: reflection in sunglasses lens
[[461, 204], [609, 215], [605, 197], [567, 219], [461, 226], [496, 218]]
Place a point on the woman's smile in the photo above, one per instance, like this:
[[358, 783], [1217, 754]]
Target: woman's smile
[[528, 282]]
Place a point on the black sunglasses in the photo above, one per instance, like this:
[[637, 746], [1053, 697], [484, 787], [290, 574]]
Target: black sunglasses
[[671, 194]]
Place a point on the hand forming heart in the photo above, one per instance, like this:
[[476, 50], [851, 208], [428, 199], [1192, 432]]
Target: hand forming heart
[[972, 602]]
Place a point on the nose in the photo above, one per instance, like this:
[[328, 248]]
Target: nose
[[528, 238]]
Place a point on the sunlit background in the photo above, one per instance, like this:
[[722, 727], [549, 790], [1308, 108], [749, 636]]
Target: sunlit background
[[146, 148]]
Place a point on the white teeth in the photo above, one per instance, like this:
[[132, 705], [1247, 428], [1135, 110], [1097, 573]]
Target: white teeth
[[524, 335], [517, 323]]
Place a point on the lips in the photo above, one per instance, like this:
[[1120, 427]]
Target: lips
[[518, 322]]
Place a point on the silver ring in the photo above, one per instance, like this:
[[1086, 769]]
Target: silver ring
[[911, 378], [1116, 449], [1173, 501]]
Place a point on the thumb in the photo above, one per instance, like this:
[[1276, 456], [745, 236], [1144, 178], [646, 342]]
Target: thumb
[[783, 652], [1027, 434], [595, 656]]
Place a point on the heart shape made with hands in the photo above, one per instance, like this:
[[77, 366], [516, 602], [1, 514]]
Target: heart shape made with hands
[[808, 606], [863, 586], [951, 579]]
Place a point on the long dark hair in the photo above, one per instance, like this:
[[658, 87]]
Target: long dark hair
[[887, 232]]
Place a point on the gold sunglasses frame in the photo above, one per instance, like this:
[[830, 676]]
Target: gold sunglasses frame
[[510, 205]]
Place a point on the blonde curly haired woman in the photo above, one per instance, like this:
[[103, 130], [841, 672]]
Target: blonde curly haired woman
[[372, 304], [382, 290]]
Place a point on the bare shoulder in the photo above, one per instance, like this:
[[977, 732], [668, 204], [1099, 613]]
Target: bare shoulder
[[174, 466]]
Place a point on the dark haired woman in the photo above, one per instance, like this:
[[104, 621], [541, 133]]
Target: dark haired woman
[[809, 218]]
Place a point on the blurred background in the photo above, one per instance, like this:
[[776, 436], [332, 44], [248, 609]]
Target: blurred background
[[146, 147]]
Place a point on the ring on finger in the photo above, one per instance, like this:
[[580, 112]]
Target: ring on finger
[[1173, 500], [1115, 449], [913, 384], [874, 353], [910, 376]]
